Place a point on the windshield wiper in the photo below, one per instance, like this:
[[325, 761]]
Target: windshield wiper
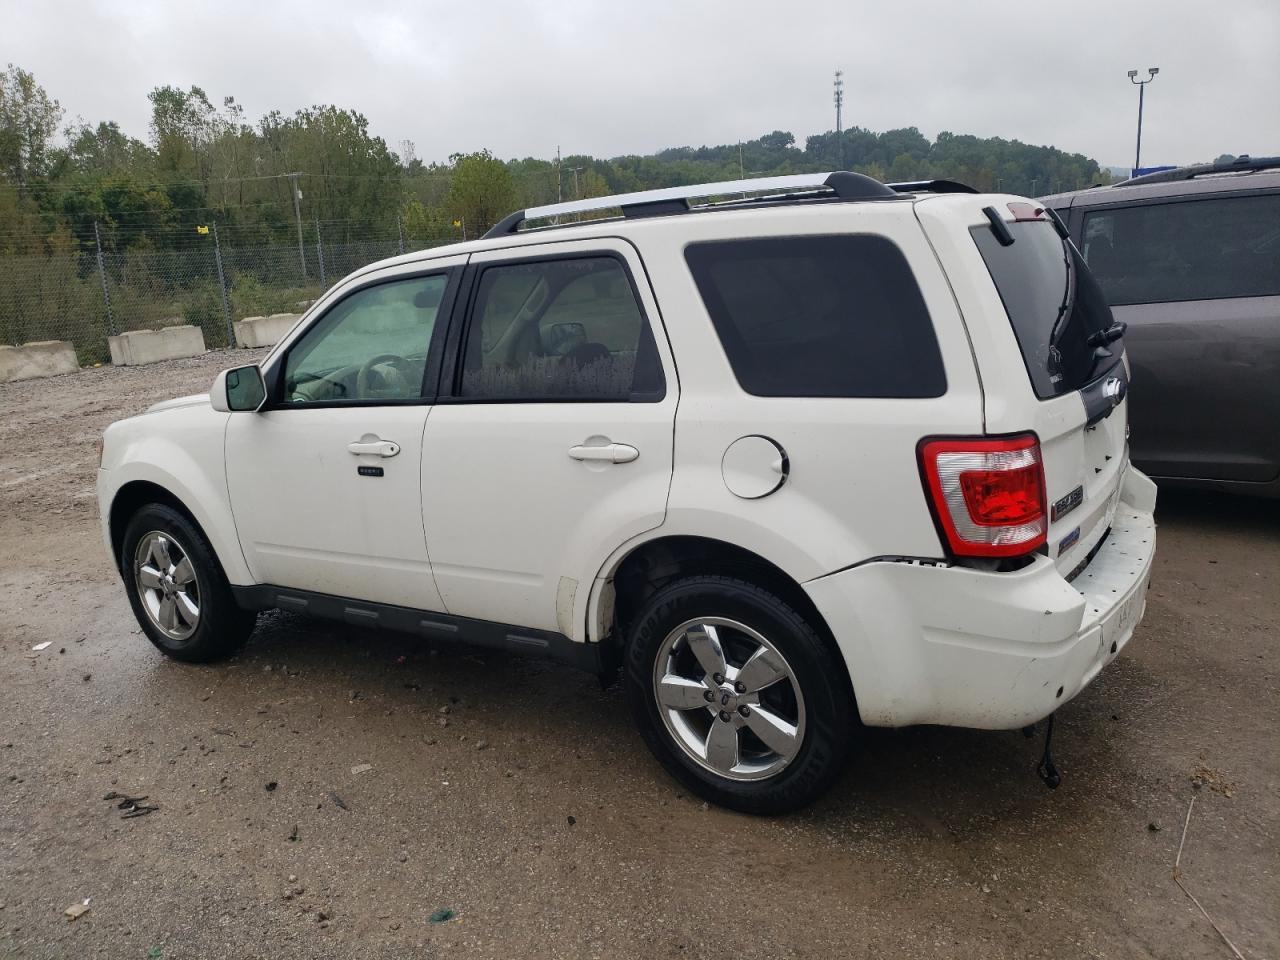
[[1101, 338], [1059, 325]]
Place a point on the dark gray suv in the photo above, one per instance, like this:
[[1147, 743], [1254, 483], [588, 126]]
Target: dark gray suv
[[1190, 260]]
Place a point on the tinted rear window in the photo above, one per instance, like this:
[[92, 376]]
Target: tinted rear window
[[1045, 285], [1190, 250], [825, 316]]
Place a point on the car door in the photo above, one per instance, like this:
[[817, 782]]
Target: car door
[[325, 480], [1198, 282], [552, 442]]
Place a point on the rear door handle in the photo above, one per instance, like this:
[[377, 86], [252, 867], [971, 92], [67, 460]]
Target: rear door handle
[[608, 452], [378, 448]]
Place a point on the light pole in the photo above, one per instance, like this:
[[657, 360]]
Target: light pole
[[1142, 86], [839, 102]]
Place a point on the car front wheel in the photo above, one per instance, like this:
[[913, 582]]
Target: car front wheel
[[738, 695], [177, 589]]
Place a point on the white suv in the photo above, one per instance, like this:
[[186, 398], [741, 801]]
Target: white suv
[[812, 451]]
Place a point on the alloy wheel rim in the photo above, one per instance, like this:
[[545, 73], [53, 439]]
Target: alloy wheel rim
[[729, 699], [167, 585]]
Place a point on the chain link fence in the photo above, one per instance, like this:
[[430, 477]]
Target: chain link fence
[[145, 279]]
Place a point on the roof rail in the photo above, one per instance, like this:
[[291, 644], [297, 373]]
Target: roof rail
[[931, 186], [1241, 164], [842, 185]]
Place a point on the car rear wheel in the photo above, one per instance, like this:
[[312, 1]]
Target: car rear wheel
[[738, 695], [177, 589]]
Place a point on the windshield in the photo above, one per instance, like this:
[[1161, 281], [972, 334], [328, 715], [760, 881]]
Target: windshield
[[1053, 302]]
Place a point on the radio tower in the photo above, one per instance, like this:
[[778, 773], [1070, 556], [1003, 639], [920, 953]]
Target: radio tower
[[839, 100]]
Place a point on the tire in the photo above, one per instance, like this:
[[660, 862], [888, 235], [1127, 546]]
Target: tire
[[808, 712], [218, 626]]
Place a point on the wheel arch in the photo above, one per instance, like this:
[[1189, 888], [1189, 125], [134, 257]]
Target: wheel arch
[[622, 589], [131, 498], [135, 493]]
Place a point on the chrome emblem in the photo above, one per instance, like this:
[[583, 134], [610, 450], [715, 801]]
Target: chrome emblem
[[1068, 503]]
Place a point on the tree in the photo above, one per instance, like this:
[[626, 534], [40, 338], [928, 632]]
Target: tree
[[481, 191], [207, 162], [28, 122], [593, 184], [180, 122], [105, 149]]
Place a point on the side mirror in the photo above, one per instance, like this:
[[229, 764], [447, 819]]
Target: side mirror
[[238, 389]]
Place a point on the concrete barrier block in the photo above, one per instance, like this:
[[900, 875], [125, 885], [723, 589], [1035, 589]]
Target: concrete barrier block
[[246, 332], [40, 358], [263, 331], [135, 347]]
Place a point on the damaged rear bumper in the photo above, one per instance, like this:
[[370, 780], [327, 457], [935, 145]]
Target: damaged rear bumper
[[933, 643]]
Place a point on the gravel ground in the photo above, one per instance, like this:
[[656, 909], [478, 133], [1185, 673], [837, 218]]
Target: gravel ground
[[326, 792]]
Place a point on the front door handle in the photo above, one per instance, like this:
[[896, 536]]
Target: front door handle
[[608, 452], [376, 447]]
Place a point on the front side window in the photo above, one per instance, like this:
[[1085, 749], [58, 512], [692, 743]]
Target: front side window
[[371, 346], [562, 329], [1189, 250], [821, 316]]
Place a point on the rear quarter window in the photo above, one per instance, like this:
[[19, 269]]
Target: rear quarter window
[[819, 316]]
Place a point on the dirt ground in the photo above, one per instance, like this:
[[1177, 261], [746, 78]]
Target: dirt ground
[[532, 810]]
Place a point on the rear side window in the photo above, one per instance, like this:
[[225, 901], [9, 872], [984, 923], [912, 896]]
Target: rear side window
[[560, 330], [1189, 250], [1053, 302], [824, 316]]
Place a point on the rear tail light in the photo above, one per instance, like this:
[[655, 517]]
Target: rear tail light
[[987, 493]]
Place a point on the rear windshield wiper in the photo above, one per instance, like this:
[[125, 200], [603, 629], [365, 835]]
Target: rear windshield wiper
[[1100, 338], [1064, 309]]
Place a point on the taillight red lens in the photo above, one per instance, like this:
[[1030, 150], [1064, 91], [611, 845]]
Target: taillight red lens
[[988, 493], [1001, 497]]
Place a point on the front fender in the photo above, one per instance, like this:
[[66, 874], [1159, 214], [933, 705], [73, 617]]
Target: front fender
[[192, 470]]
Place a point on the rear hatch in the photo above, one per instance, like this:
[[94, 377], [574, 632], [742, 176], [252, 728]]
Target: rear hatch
[[1049, 354]]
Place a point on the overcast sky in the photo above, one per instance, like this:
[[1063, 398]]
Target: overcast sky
[[632, 77]]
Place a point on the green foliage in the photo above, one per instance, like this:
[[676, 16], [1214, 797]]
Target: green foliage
[[104, 149], [250, 297], [202, 306], [423, 227], [52, 297], [206, 162], [481, 191]]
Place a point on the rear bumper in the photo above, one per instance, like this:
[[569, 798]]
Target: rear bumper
[[950, 645]]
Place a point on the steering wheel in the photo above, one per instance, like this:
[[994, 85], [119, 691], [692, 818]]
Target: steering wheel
[[366, 370]]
